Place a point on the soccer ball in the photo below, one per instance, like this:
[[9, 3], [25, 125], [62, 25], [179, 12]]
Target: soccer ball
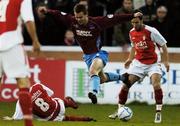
[[125, 113]]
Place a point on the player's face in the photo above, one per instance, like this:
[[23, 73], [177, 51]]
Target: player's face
[[137, 24], [81, 18]]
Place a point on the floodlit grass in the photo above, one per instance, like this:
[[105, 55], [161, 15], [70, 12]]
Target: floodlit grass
[[143, 116]]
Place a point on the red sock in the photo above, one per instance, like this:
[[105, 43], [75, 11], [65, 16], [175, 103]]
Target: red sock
[[123, 96], [77, 118], [158, 96], [26, 105]]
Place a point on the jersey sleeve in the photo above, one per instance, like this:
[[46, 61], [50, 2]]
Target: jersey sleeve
[[61, 16], [112, 19], [26, 11], [18, 115], [157, 37], [48, 90]]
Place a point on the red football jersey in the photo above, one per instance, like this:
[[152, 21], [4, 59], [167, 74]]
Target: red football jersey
[[43, 105], [146, 43], [11, 13]]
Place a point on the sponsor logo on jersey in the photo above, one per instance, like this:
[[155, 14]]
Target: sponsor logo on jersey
[[83, 33], [141, 45], [36, 95]]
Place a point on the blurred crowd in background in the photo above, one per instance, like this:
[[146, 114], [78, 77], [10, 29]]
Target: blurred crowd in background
[[164, 15]]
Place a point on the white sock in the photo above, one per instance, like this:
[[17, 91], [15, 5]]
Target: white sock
[[120, 105], [159, 107]]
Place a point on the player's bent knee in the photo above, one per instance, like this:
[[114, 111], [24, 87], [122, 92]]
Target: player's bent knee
[[126, 80], [156, 86]]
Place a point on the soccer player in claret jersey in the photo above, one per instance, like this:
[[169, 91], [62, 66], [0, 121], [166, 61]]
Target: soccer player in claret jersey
[[144, 58], [13, 60], [87, 33], [47, 108]]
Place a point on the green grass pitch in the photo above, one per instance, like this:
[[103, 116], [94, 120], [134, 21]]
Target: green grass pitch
[[143, 116]]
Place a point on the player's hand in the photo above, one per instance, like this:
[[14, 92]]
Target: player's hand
[[7, 118], [138, 14], [166, 64], [36, 46], [42, 10], [127, 63]]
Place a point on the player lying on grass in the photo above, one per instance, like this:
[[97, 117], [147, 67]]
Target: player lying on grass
[[46, 108]]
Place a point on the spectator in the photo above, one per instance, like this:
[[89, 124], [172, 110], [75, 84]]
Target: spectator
[[49, 3], [121, 31], [50, 32], [149, 11], [161, 22]]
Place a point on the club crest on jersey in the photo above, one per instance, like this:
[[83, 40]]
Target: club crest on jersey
[[144, 37], [83, 33]]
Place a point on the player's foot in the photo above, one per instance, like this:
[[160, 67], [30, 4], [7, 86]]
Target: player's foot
[[92, 97], [7, 118], [69, 102], [157, 117], [114, 115]]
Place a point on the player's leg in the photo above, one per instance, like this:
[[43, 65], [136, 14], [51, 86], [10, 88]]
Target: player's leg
[[1, 71], [96, 66], [123, 94], [15, 66], [25, 100], [108, 77], [155, 78], [69, 102]]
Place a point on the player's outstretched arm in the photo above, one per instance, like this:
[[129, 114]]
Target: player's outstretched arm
[[130, 58], [30, 25], [78, 118], [165, 57]]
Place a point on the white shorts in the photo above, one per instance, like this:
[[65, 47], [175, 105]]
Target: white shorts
[[142, 70], [14, 63], [61, 114]]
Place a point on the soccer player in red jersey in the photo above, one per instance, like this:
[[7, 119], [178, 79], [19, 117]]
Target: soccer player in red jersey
[[13, 60], [145, 60], [87, 32], [47, 108]]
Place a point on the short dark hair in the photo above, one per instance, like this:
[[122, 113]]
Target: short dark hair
[[137, 10], [80, 8]]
